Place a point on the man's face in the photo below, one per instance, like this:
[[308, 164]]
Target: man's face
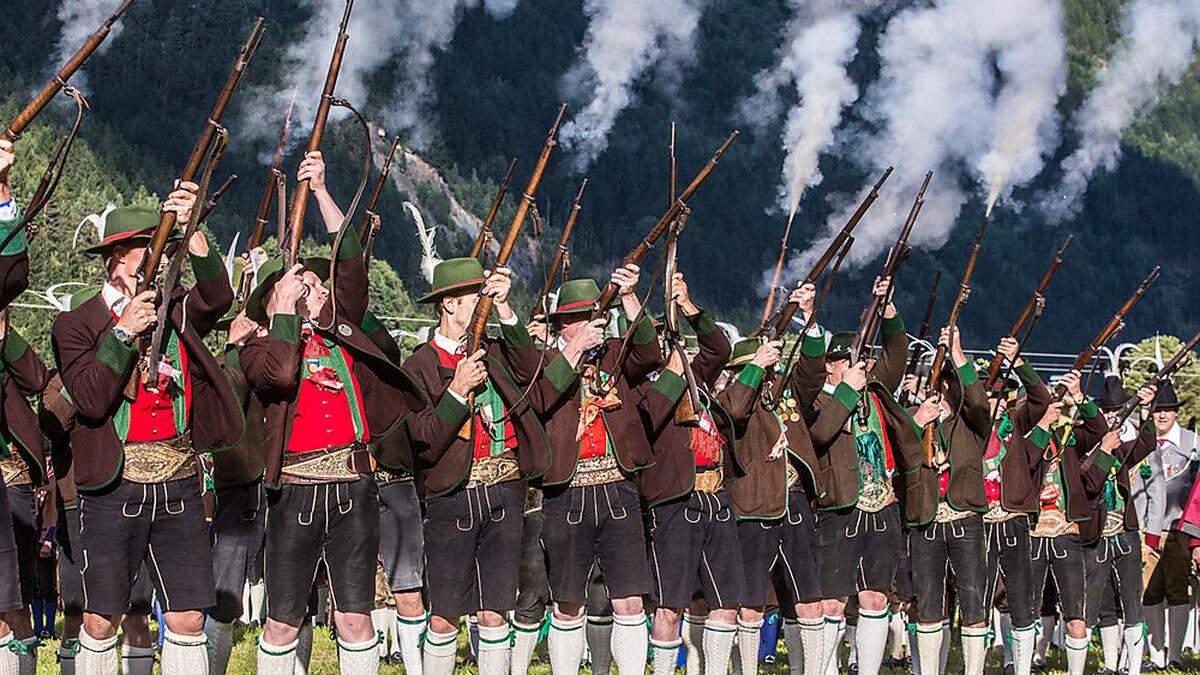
[[1163, 421], [127, 260], [315, 296], [570, 327], [1110, 416], [998, 404], [834, 370], [459, 308]]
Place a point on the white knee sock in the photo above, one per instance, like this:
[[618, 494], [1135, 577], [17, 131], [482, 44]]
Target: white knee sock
[[258, 601], [693, 641], [718, 644], [929, 648], [834, 629], [1177, 621], [897, 634], [1046, 636], [1076, 654], [747, 647], [359, 657], [220, 644], [1110, 644], [380, 618], [276, 660], [184, 654], [9, 664], [808, 656], [974, 644], [871, 638], [666, 654], [1134, 644], [137, 660], [96, 657], [599, 634], [303, 648], [440, 649], [494, 652], [1156, 625], [629, 645], [1006, 637], [66, 656], [566, 643], [409, 631], [525, 640], [1023, 638]]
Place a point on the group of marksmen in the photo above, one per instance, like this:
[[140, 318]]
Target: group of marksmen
[[558, 475]]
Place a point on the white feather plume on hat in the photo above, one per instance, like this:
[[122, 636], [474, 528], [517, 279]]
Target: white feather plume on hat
[[429, 256], [97, 220]]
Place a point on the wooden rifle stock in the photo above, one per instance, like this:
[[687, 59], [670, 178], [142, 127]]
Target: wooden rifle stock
[[560, 254], [485, 230], [56, 83], [997, 363], [865, 336], [484, 307], [300, 196], [1110, 329], [779, 325], [609, 294]]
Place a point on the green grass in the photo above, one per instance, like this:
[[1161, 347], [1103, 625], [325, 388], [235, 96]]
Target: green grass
[[324, 661]]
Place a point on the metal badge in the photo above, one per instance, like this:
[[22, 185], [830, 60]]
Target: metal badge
[[344, 330]]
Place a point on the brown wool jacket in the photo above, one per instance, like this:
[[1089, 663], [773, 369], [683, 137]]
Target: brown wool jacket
[[673, 473], [24, 377], [393, 446], [14, 277], [557, 399], [95, 365], [964, 435], [1020, 482], [762, 492], [1096, 470], [244, 462], [272, 367], [441, 459], [834, 442], [56, 417], [1087, 432]]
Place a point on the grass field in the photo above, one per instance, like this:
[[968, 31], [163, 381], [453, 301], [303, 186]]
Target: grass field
[[324, 660]]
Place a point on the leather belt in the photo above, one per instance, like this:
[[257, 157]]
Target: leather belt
[[385, 478], [159, 461], [14, 471], [332, 465], [596, 471], [493, 470], [709, 481]]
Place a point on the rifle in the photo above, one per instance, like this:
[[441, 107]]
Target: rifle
[[1156, 380], [59, 81], [300, 196], [216, 197], [639, 253], [271, 187], [939, 356], [783, 247], [685, 411], [926, 328], [370, 222], [1038, 294], [166, 224], [560, 256], [1114, 326], [779, 324], [865, 336], [485, 231], [483, 308]]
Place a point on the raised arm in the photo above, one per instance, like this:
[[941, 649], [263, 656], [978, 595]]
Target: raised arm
[[25, 367], [208, 301]]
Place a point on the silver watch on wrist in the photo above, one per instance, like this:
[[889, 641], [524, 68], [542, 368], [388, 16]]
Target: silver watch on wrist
[[123, 335]]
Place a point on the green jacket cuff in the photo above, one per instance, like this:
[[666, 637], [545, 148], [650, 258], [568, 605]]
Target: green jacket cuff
[[751, 376], [1039, 437], [450, 410], [893, 326], [702, 323], [516, 335], [643, 332], [370, 323], [812, 346], [19, 242], [286, 327], [116, 354], [14, 346], [967, 375], [351, 247], [1105, 461], [671, 385], [1027, 375], [1088, 410], [560, 373], [846, 395], [207, 267]]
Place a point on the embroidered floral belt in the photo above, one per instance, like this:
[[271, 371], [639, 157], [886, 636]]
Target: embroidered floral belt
[[1114, 523], [14, 471], [384, 478], [875, 496], [948, 514], [159, 461], [998, 514], [709, 481], [493, 470], [334, 465], [596, 471], [1053, 523]]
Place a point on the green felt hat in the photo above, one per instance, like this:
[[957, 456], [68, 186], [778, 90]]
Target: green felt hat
[[839, 346], [453, 275], [577, 296], [129, 225], [743, 352], [268, 274]]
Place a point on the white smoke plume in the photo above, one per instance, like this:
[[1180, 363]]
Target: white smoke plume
[[939, 106], [81, 18], [1158, 39], [819, 43], [624, 39]]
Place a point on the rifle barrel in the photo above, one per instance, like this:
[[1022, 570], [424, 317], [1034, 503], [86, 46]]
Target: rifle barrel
[[486, 229], [560, 253]]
